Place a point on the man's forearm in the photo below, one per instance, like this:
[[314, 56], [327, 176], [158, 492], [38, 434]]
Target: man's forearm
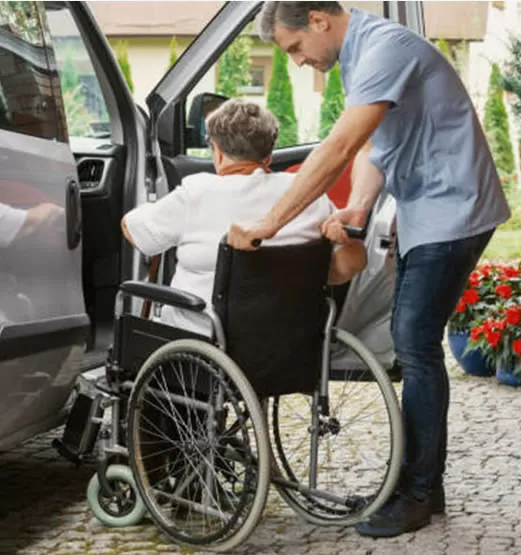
[[325, 164], [318, 173], [367, 181]]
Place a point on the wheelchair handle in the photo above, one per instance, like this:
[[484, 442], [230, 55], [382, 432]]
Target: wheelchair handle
[[355, 232]]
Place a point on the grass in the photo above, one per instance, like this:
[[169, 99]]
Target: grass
[[504, 246]]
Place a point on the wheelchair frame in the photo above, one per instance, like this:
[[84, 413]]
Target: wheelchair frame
[[86, 423]]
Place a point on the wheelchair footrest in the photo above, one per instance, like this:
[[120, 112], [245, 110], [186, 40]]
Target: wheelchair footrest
[[82, 428]]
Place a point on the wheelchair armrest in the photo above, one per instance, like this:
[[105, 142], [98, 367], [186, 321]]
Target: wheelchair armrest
[[163, 294]]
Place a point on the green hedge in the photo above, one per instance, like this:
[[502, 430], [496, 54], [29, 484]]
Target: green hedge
[[280, 100]]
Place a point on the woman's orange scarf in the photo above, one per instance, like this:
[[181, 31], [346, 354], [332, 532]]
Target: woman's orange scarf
[[244, 168]]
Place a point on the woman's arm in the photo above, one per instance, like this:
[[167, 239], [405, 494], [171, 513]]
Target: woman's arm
[[347, 261], [156, 227], [126, 232]]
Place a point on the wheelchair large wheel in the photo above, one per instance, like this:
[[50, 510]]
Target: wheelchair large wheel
[[199, 446], [341, 455]]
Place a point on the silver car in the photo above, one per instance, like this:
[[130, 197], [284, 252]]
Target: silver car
[[75, 155]]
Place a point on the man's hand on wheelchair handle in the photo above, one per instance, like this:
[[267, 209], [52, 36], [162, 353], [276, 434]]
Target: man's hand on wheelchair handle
[[333, 227], [249, 237]]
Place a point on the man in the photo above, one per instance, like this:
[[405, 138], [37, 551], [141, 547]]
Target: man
[[413, 128]]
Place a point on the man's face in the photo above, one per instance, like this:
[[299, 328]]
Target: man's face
[[312, 46]]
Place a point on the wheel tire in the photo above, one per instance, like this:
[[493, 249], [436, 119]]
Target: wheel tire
[[298, 503], [119, 473], [257, 418]]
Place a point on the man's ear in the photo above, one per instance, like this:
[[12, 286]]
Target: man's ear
[[318, 21]]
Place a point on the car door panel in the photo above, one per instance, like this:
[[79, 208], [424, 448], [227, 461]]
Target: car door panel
[[43, 323]]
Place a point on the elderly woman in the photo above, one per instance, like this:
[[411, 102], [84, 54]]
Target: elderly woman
[[195, 216]]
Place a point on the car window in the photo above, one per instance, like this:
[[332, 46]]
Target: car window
[[258, 71], [27, 99], [85, 107]]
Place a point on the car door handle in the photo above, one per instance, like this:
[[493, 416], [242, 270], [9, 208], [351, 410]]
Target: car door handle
[[73, 214]]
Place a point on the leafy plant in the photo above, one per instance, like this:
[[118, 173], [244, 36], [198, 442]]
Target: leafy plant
[[280, 100], [490, 308], [173, 52], [333, 102], [79, 119], [124, 63], [69, 77], [496, 125], [234, 68], [455, 54]]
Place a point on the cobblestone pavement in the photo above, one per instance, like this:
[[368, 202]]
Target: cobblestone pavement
[[44, 508]]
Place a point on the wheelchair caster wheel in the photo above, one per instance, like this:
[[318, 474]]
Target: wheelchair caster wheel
[[126, 508]]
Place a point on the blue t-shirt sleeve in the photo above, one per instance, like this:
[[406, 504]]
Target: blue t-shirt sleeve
[[382, 74]]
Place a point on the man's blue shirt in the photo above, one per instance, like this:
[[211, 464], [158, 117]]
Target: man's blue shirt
[[430, 146]]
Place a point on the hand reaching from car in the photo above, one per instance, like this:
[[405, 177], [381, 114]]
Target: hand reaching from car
[[42, 218]]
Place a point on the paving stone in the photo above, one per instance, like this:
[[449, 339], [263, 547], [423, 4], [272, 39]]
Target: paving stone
[[47, 514]]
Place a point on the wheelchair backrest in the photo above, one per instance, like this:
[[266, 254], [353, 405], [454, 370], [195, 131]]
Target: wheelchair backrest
[[272, 304]]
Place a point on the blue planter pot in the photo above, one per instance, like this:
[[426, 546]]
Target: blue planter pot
[[505, 376], [473, 363]]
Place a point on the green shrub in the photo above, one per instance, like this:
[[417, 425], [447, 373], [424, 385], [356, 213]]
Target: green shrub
[[234, 68], [124, 63], [69, 77], [496, 125], [173, 53], [511, 77], [333, 102], [78, 118], [280, 100]]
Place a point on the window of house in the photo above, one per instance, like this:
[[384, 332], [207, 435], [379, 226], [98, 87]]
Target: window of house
[[257, 78], [27, 101]]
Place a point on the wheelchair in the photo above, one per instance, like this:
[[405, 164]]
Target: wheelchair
[[193, 430]]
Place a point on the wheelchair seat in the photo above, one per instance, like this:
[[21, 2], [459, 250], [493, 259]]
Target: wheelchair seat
[[272, 307]]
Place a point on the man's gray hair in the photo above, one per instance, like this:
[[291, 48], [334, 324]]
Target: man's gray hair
[[243, 130], [293, 15]]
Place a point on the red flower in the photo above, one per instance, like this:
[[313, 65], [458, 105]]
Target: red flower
[[516, 347], [509, 273], [493, 338], [474, 279], [461, 306], [471, 296], [486, 270], [504, 291], [475, 333], [514, 315]]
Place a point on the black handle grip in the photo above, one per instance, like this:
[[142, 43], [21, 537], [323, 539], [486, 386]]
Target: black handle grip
[[355, 232]]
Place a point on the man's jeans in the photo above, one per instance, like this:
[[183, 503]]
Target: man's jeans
[[429, 282]]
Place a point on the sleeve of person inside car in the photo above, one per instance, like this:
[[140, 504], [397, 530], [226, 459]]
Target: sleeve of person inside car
[[383, 74], [157, 227]]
